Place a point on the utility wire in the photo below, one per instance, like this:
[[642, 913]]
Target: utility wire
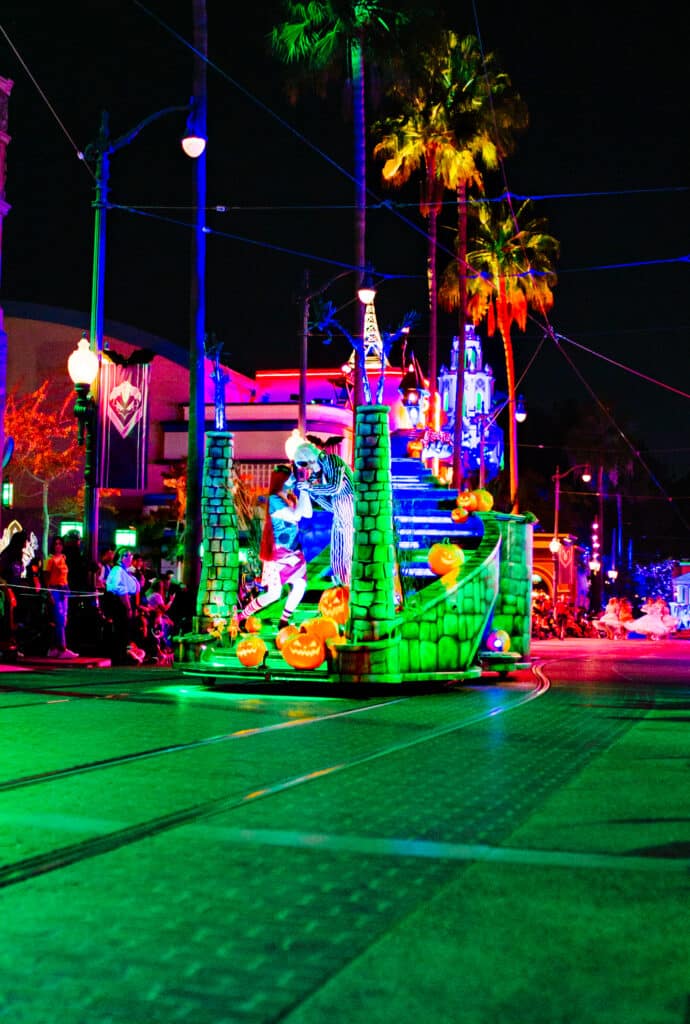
[[252, 241], [51, 108], [622, 366]]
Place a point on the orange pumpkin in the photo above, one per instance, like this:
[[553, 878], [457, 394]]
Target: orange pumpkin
[[460, 515], [335, 604], [251, 651], [322, 627], [253, 624], [445, 557], [468, 500], [485, 500], [285, 634], [305, 650]]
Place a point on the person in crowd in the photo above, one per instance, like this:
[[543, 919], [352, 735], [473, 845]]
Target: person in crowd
[[121, 590], [156, 597], [77, 565], [11, 571], [656, 621], [610, 621], [282, 561], [137, 570], [56, 578], [561, 614], [105, 563], [330, 483]]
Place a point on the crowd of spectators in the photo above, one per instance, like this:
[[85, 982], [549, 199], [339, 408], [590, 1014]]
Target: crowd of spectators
[[119, 609]]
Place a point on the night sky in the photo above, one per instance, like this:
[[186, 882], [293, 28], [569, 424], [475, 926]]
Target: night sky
[[607, 145]]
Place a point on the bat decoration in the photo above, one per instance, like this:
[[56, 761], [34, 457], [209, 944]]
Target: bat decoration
[[139, 357], [331, 441]]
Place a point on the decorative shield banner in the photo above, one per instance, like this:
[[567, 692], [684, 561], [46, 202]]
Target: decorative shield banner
[[123, 409]]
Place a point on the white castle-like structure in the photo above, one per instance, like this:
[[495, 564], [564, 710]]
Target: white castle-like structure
[[482, 440]]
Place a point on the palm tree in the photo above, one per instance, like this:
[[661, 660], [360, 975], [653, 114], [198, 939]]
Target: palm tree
[[512, 272], [319, 35], [487, 118], [447, 128]]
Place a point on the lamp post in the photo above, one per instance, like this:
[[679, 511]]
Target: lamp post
[[486, 422], [100, 151], [555, 544], [82, 366], [307, 296]]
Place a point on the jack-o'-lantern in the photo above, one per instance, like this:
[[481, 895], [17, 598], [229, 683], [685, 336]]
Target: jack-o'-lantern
[[460, 515], [285, 634], [485, 500], [305, 650], [468, 500], [252, 624], [334, 603], [445, 557], [251, 651], [322, 627]]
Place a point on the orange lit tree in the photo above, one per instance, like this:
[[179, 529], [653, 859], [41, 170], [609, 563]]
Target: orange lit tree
[[44, 431]]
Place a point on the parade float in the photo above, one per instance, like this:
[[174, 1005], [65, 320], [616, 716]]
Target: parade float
[[440, 583]]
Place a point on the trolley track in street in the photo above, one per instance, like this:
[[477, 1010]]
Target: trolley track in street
[[62, 857]]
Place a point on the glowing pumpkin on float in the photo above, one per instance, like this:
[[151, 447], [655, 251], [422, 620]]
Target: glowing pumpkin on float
[[322, 627], [251, 651], [445, 557], [305, 650], [468, 500], [460, 515], [334, 603], [485, 500], [285, 634]]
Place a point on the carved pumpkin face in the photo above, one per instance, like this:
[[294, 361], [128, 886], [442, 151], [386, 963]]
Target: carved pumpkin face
[[322, 627], [251, 651], [460, 515], [253, 624], [485, 500], [305, 650], [444, 558], [468, 500], [335, 604], [285, 634]]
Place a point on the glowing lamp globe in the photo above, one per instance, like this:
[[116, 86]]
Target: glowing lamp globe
[[82, 364], [498, 641], [193, 145]]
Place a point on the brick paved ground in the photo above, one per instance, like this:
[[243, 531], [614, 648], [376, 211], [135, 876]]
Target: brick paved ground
[[173, 854]]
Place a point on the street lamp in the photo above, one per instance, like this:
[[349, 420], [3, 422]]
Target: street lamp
[[100, 151], [555, 544], [82, 367], [306, 297], [413, 391]]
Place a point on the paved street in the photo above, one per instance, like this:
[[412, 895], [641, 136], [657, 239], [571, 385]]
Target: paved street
[[510, 851]]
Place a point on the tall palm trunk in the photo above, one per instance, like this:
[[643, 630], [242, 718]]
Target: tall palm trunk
[[458, 455], [360, 171], [432, 204], [504, 328]]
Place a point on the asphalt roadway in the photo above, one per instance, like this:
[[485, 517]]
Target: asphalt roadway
[[507, 851]]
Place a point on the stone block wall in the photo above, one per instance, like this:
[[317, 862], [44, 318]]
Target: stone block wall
[[220, 564], [513, 609], [372, 594]]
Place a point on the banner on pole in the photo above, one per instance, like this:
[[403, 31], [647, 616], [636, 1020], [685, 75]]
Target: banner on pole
[[123, 425]]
